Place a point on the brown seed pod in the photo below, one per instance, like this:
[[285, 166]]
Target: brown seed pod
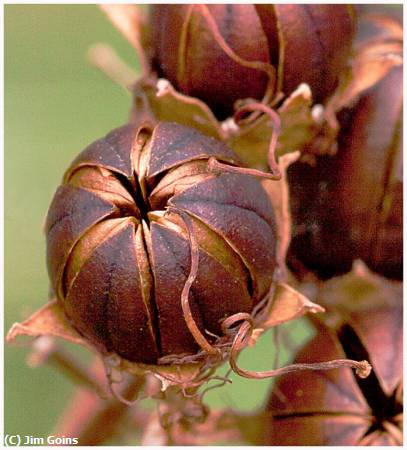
[[136, 212], [223, 53], [335, 407], [349, 206]]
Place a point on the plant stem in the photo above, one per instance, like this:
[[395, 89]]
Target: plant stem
[[93, 420], [46, 350]]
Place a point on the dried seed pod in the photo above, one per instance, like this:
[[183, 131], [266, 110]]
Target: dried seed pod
[[349, 206], [222, 53], [335, 407], [120, 232]]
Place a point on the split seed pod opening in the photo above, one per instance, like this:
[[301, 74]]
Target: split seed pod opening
[[223, 53], [120, 232], [364, 320]]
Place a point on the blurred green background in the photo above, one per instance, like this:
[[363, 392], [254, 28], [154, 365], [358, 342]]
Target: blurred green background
[[55, 105]]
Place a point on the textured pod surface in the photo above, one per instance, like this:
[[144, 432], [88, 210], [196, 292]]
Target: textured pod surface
[[304, 43], [336, 407], [350, 205], [118, 244]]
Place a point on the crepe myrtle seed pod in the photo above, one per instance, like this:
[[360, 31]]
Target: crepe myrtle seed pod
[[349, 206], [335, 407], [133, 208], [222, 53]]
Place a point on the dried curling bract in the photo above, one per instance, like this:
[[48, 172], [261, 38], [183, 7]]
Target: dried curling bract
[[122, 229], [223, 53]]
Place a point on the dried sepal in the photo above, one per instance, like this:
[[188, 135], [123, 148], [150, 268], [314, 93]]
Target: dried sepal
[[347, 299], [378, 50], [49, 320], [249, 139], [288, 304], [165, 103]]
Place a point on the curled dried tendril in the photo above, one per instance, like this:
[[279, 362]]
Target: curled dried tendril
[[215, 165], [192, 326], [239, 327], [242, 336], [256, 65], [276, 123]]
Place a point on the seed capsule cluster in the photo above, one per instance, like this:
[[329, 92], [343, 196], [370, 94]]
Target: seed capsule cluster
[[118, 245], [162, 245]]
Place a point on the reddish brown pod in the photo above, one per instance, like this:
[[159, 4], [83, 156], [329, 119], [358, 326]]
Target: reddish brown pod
[[122, 229], [350, 205], [223, 53], [335, 407]]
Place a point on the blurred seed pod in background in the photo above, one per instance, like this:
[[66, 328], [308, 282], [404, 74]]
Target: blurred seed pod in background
[[349, 205], [224, 53], [393, 11], [121, 229], [364, 320]]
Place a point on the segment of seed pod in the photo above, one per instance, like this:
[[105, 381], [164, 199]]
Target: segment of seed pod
[[336, 408], [119, 241], [223, 53], [349, 206]]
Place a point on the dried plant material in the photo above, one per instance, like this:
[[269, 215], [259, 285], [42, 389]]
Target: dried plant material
[[137, 212], [258, 60], [130, 20], [111, 204], [50, 320], [364, 320], [159, 98], [279, 196], [349, 205], [378, 50], [199, 370], [201, 26], [283, 305], [219, 427], [167, 248], [347, 300], [107, 61], [166, 104], [250, 139], [100, 419], [289, 304]]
